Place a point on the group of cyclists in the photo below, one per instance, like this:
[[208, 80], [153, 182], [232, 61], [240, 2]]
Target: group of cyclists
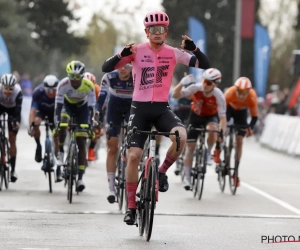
[[138, 82]]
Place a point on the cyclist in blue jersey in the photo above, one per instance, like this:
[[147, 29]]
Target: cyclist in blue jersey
[[42, 105], [119, 85]]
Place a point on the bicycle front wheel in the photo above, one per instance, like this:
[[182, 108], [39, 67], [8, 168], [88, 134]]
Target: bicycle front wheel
[[232, 169], [2, 166], [71, 169], [120, 183], [7, 164], [48, 163], [202, 171], [150, 197]]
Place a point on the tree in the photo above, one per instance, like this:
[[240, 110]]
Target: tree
[[49, 22], [280, 25], [101, 36], [218, 18], [22, 50]]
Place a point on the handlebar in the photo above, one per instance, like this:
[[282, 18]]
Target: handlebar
[[134, 130], [204, 129], [237, 126]]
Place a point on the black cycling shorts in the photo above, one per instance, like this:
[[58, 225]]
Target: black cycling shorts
[[144, 115], [239, 117], [42, 114], [197, 121], [115, 113], [11, 113], [183, 114]]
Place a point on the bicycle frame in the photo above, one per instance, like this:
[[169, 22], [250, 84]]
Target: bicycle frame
[[151, 156], [48, 140]]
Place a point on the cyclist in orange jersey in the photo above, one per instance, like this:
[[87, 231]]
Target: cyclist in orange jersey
[[240, 98]]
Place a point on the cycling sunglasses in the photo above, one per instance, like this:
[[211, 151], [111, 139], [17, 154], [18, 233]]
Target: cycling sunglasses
[[75, 76], [50, 90], [243, 92], [161, 29], [127, 66], [208, 82], [8, 88]]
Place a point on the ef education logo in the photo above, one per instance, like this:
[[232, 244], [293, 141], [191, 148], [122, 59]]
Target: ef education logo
[[271, 239]]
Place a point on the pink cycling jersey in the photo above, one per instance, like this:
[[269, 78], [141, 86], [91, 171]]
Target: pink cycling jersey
[[153, 71]]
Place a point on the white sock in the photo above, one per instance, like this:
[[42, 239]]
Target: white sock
[[111, 181], [187, 172], [209, 148]]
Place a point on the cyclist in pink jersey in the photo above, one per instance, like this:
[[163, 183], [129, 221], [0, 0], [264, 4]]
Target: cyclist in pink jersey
[[153, 64]]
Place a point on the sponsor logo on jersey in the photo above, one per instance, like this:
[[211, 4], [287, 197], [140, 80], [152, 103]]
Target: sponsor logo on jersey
[[147, 78]]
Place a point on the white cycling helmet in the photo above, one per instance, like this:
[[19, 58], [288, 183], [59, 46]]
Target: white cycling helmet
[[213, 75], [50, 81], [8, 80]]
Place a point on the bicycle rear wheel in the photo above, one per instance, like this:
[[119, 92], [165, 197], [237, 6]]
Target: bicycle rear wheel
[[195, 172], [202, 171], [71, 170], [48, 163], [232, 169], [150, 197]]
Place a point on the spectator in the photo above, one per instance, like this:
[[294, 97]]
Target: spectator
[[26, 85], [280, 107], [17, 75], [295, 111]]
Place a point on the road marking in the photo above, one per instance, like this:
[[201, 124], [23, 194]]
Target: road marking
[[272, 198], [253, 216], [30, 248]]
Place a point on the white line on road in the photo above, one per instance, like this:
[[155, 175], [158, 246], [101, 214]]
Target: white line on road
[[253, 216], [34, 248], [272, 198]]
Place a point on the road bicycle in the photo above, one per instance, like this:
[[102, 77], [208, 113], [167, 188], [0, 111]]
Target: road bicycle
[[229, 163], [149, 182]]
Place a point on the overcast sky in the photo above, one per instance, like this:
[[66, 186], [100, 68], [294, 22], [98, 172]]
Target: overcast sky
[[138, 9]]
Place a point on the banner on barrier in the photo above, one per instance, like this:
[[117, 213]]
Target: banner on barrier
[[262, 52], [197, 33]]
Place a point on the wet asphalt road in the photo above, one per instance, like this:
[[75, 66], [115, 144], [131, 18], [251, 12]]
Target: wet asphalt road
[[266, 204]]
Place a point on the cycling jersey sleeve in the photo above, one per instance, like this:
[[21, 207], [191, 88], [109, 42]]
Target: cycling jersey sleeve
[[105, 83], [253, 108], [18, 108], [221, 102], [115, 62], [59, 98], [253, 103], [124, 61], [35, 100], [91, 97], [59, 102], [57, 112], [190, 90], [198, 60]]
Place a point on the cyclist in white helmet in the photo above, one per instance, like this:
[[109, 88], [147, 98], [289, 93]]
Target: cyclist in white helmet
[[209, 109], [42, 105], [11, 103]]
